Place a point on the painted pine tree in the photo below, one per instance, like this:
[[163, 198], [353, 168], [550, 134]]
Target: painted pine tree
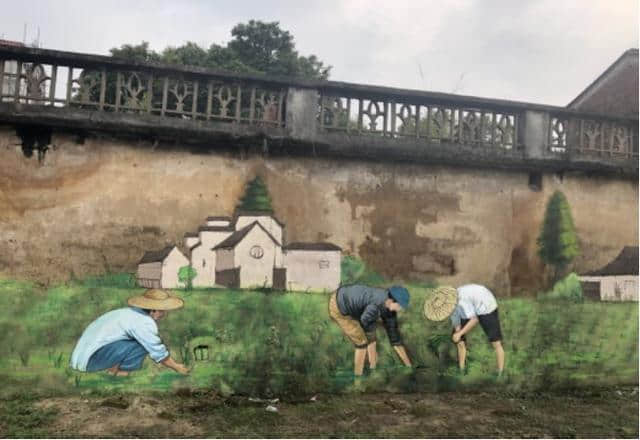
[[558, 243], [256, 197]]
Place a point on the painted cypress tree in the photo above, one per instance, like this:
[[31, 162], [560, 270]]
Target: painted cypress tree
[[256, 197], [558, 243]]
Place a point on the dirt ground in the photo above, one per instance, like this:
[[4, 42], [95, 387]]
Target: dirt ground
[[584, 413]]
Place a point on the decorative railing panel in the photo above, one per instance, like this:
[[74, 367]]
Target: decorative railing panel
[[606, 137], [429, 122], [110, 89]]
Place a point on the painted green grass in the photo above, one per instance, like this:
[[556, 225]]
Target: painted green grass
[[274, 344]]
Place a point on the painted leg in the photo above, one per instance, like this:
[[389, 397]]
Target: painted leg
[[133, 358], [497, 345], [372, 353], [358, 364], [462, 354], [116, 357]]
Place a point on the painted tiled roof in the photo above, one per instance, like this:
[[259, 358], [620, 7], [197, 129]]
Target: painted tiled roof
[[311, 247], [235, 238], [626, 263], [155, 256], [257, 214], [218, 218], [215, 228]]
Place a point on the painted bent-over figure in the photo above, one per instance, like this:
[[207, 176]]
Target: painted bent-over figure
[[356, 309], [119, 340], [467, 306]]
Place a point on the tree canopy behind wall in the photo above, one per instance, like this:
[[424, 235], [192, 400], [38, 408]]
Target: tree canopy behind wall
[[256, 47], [256, 197]]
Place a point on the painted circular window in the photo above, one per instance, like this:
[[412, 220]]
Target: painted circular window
[[256, 252]]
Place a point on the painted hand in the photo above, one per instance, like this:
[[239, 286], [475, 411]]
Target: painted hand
[[180, 368]]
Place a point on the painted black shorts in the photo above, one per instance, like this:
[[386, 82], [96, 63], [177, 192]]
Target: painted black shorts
[[490, 323]]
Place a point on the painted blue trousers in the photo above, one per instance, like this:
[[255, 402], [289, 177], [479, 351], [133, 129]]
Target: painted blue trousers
[[128, 354]]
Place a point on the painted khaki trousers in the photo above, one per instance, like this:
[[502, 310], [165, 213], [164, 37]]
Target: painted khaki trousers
[[349, 326]]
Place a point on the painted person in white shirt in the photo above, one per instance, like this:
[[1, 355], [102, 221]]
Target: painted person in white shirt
[[476, 304]]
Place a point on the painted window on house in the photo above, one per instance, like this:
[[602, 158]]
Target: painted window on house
[[256, 252], [201, 353], [324, 264], [204, 263]]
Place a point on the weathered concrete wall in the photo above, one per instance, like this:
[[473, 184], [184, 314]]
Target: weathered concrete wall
[[96, 207]]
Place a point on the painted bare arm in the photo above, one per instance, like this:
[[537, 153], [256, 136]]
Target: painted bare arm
[[372, 353], [178, 367], [402, 353], [466, 329]]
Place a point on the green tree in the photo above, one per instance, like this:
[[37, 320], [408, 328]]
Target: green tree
[[186, 274], [138, 52], [256, 197], [256, 47], [267, 48], [558, 243]]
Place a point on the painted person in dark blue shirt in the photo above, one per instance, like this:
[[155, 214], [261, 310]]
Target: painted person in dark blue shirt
[[357, 308]]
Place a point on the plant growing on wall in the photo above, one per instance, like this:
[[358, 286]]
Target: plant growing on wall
[[186, 274], [558, 243], [256, 197]]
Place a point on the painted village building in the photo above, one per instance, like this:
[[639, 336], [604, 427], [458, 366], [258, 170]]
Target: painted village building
[[248, 252], [159, 269], [249, 258], [203, 257], [617, 281], [312, 264]]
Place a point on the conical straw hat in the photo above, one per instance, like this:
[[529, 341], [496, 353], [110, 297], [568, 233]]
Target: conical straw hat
[[440, 304], [156, 299]]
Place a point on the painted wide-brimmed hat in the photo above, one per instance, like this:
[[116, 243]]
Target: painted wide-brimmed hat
[[156, 299], [440, 304]]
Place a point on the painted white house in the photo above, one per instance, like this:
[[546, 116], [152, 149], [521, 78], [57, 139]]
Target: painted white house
[[248, 251], [617, 281], [203, 258], [271, 224], [312, 266], [159, 269], [248, 257]]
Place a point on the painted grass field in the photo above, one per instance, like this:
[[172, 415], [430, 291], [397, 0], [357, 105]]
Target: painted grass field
[[284, 344]]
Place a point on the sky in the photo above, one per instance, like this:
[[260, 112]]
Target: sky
[[542, 51]]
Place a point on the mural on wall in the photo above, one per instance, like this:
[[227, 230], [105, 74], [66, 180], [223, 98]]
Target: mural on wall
[[617, 281], [239, 309], [246, 251]]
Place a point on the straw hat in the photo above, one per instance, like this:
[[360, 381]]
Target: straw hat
[[156, 299], [441, 303]]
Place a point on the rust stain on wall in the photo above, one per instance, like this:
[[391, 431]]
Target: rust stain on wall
[[393, 248]]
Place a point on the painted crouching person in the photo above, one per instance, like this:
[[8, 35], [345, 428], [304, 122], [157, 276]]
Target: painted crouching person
[[356, 309], [119, 340], [467, 306]]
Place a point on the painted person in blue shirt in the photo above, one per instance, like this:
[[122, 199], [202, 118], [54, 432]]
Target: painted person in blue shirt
[[121, 339], [357, 308]]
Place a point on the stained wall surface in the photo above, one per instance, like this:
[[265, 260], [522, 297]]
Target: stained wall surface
[[97, 206]]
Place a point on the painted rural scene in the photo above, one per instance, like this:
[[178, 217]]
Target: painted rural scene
[[217, 234]]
